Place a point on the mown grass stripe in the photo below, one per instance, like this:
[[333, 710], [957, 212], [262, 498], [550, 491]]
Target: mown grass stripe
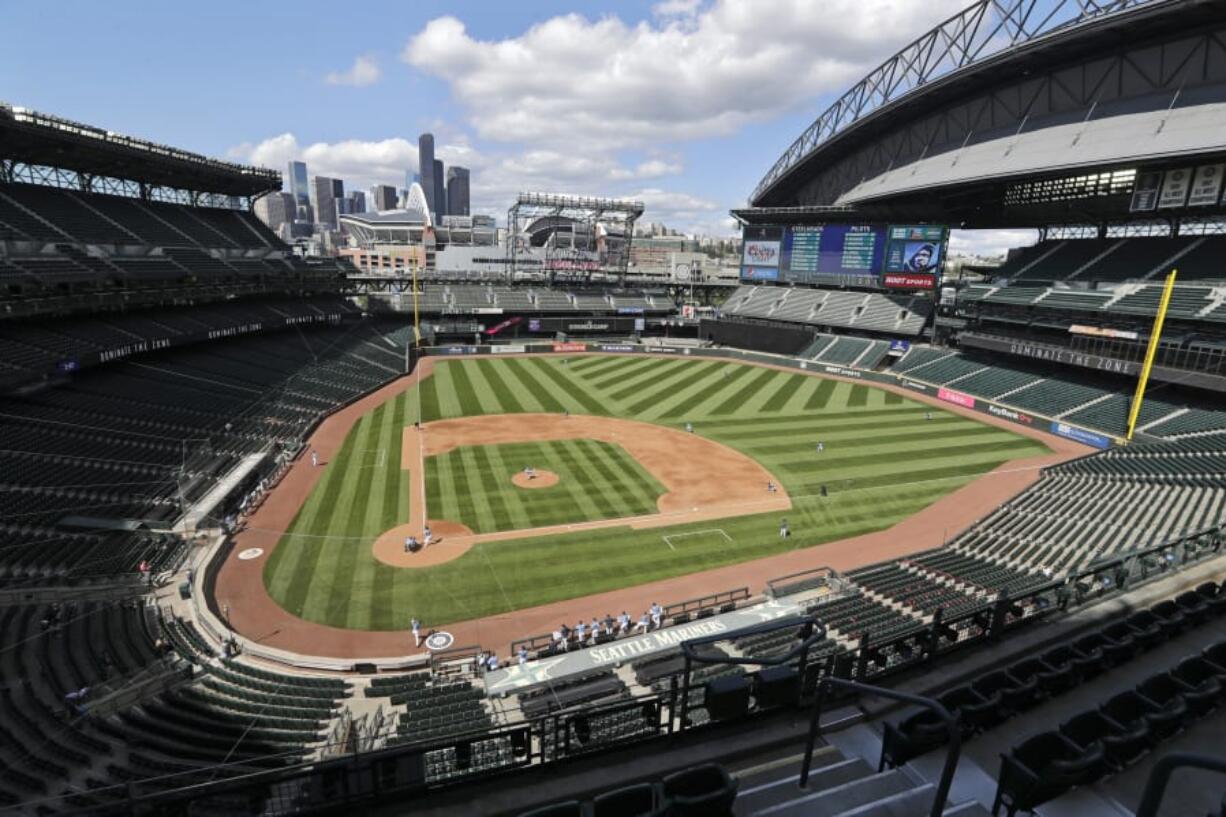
[[833, 462], [573, 390], [470, 403], [311, 546], [671, 386], [858, 396], [745, 392], [787, 388], [606, 366], [893, 398], [634, 385], [912, 410], [506, 398], [333, 540], [877, 439], [821, 396], [694, 404], [625, 480], [534, 386], [637, 368], [429, 400], [492, 471], [762, 431]]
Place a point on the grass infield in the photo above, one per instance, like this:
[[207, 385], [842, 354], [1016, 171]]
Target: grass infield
[[882, 462]]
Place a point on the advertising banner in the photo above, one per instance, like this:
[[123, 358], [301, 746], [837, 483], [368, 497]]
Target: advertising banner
[[955, 397], [1080, 435], [909, 280], [460, 350], [760, 273], [570, 347], [498, 327], [900, 347], [761, 253], [618, 348], [510, 349]]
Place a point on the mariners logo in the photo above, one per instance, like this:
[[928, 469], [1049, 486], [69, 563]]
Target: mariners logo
[[439, 641]]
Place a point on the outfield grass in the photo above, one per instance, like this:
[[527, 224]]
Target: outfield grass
[[597, 480], [883, 461]]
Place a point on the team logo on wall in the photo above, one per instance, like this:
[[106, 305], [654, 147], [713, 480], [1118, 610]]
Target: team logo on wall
[[439, 641], [251, 553]]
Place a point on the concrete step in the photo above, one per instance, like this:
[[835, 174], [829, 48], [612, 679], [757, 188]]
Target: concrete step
[[761, 792], [971, 809], [906, 804], [832, 802]]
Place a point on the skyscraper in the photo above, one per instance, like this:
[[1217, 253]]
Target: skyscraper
[[457, 191], [298, 188], [440, 191], [357, 202], [276, 209], [425, 166], [383, 196], [324, 190]]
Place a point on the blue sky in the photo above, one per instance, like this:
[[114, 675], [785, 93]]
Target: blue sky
[[683, 103]]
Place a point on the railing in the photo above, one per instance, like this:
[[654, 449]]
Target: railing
[[700, 607], [951, 726], [1155, 786]]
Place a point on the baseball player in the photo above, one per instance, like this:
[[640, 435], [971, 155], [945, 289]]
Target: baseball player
[[821, 446], [427, 536], [415, 625], [784, 530], [770, 487], [644, 623], [523, 655], [314, 459], [623, 623]]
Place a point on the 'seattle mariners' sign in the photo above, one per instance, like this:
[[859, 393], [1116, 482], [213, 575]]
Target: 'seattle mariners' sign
[[517, 677]]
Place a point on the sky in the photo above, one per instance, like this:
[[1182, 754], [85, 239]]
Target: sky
[[683, 104]]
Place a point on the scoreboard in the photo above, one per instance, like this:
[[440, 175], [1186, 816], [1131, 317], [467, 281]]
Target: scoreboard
[[860, 255]]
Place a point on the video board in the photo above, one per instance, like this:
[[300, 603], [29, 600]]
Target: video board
[[862, 255]]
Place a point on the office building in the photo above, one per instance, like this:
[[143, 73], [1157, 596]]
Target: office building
[[324, 201], [457, 191], [383, 197], [425, 166], [440, 191], [298, 187], [276, 209], [357, 202]]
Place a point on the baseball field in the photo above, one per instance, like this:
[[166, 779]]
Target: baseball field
[[883, 458]]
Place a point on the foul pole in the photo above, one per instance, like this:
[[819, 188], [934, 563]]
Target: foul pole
[[1155, 336]]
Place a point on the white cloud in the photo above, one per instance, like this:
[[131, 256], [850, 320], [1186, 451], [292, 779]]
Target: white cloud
[[694, 72], [360, 163], [676, 8], [989, 243], [364, 71]]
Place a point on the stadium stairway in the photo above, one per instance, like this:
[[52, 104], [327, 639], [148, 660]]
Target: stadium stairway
[[842, 783]]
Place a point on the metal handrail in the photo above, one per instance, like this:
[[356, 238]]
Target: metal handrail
[[932, 705], [1155, 786]]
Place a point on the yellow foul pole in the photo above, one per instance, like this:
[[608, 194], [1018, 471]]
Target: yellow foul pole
[[1155, 336]]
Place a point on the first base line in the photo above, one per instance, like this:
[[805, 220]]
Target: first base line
[[668, 539]]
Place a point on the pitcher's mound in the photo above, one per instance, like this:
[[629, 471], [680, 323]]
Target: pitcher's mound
[[451, 541], [543, 479]]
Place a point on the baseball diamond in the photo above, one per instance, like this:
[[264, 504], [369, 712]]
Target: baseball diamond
[[884, 457]]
